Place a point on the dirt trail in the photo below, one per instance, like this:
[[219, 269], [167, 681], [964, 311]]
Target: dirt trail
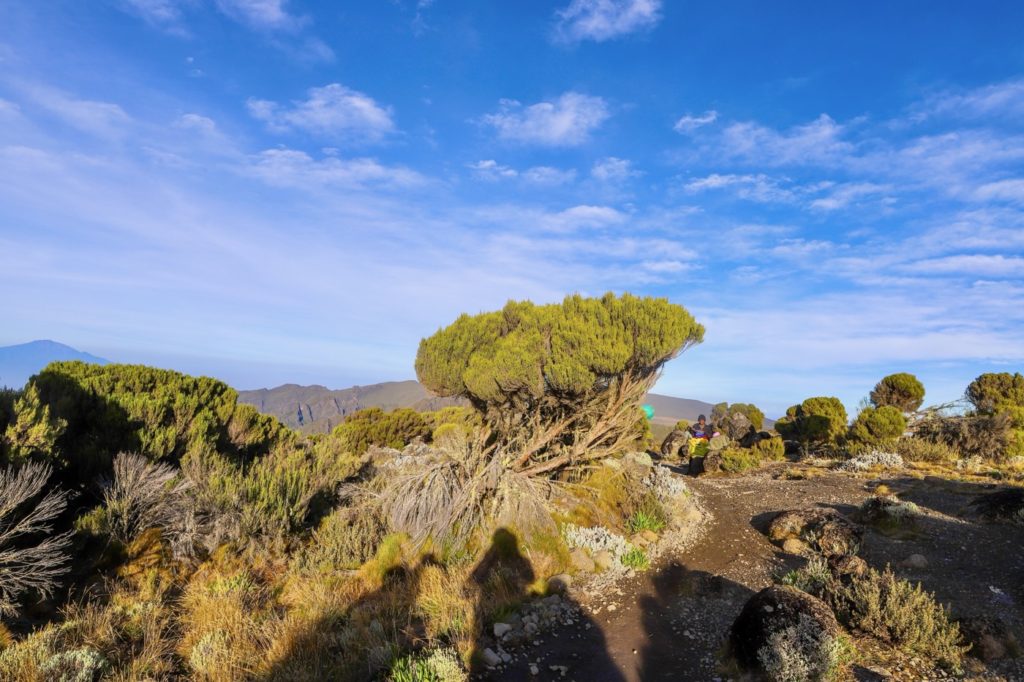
[[669, 623]]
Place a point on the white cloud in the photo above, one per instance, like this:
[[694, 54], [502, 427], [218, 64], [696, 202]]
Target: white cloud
[[666, 266], [971, 264], [818, 142], [1005, 190], [566, 122], [614, 170], [261, 14], [157, 12], [333, 111], [583, 217], [998, 99], [102, 119], [601, 20], [197, 123], [688, 123], [489, 169], [845, 194], [760, 187], [296, 169], [546, 175]]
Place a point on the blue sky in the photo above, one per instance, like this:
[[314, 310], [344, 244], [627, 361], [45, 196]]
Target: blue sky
[[273, 190]]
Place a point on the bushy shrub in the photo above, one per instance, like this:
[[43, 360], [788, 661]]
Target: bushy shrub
[[902, 391], [903, 614], [682, 424], [374, 426], [142, 495], [160, 414], [641, 520], [438, 665], [805, 652], [984, 436], [1001, 397], [770, 449], [992, 392], [878, 425], [28, 564], [31, 429], [635, 558], [817, 421], [345, 539], [739, 459], [722, 412], [922, 450]]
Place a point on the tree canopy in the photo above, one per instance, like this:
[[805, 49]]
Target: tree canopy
[[819, 420], [902, 391], [558, 377]]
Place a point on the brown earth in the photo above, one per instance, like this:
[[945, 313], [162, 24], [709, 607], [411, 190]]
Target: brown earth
[[670, 623]]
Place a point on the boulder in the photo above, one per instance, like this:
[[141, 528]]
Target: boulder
[[676, 444], [847, 566], [559, 584], [825, 530], [782, 623], [649, 535], [915, 561], [491, 658], [581, 561], [500, 629], [718, 443], [641, 458], [735, 425], [708, 464], [638, 540], [604, 559], [752, 438]]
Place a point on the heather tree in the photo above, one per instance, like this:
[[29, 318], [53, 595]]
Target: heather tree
[[557, 385], [902, 391]]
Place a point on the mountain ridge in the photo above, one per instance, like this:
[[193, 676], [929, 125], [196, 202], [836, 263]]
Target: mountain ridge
[[322, 408], [20, 361]]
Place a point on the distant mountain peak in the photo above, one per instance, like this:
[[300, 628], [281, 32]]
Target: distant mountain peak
[[21, 361]]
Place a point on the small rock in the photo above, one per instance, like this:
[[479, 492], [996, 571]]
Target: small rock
[[534, 670], [491, 659], [604, 559], [581, 561], [611, 607], [650, 535], [638, 540], [915, 561], [501, 628], [558, 584], [794, 546]]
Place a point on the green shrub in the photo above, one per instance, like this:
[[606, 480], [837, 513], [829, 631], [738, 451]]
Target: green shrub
[[1001, 396], [345, 539], [981, 435], [921, 450], [374, 426], [770, 449], [642, 520], [878, 425], [902, 391], [682, 424], [903, 614], [635, 558], [439, 665], [817, 421], [160, 414], [739, 459]]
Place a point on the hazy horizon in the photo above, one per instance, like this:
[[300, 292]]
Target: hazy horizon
[[297, 192]]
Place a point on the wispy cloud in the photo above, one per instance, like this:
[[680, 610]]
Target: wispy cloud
[[759, 187], [490, 170], [842, 196], [334, 111], [819, 142], [689, 123], [567, 121], [614, 170], [102, 119], [601, 20], [262, 14], [297, 169]]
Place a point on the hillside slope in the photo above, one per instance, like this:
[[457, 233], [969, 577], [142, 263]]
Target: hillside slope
[[19, 362]]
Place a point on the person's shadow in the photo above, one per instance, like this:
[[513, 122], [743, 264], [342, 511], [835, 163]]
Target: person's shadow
[[500, 583]]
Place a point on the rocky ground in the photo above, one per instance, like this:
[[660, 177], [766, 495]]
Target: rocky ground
[[670, 623]]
